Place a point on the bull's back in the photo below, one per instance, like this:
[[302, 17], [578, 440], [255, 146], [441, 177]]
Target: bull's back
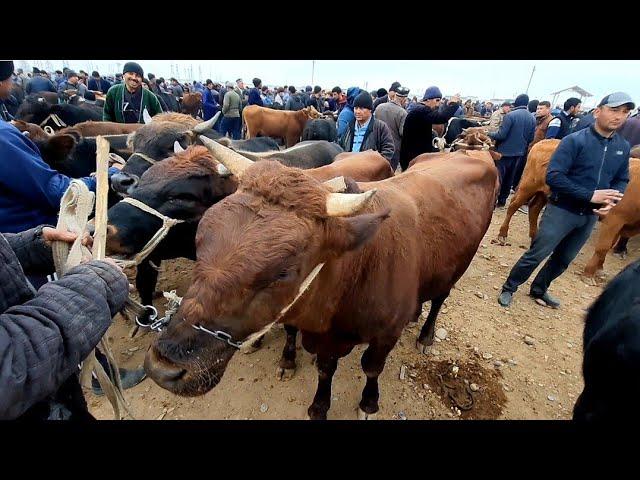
[[535, 170], [361, 167]]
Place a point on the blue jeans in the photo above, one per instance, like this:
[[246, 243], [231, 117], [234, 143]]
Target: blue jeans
[[561, 235], [231, 126], [507, 168]]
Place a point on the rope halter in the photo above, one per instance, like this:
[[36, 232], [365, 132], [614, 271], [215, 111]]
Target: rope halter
[[167, 223]]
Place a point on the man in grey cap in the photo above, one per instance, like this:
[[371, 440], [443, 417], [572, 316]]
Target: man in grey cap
[[587, 174], [393, 113]]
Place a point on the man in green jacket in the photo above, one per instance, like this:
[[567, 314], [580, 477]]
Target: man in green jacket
[[231, 122], [127, 101]]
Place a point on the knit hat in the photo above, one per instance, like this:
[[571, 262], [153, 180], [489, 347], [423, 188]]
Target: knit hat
[[394, 87], [433, 92], [36, 70], [308, 88], [521, 100], [363, 100], [6, 70], [381, 92], [133, 67]]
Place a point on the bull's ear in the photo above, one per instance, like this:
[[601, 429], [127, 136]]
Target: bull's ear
[[62, 144], [348, 233]]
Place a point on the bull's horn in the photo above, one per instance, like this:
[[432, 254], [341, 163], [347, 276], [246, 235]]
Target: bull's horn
[[344, 204], [235, 162], [336, 185], [203, 126], [146, 117], [223, 171], [177, 148]]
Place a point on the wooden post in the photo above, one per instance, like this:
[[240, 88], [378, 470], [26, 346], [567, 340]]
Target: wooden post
[[102, 193]]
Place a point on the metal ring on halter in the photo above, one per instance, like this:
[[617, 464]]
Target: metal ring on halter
[[152, 317]]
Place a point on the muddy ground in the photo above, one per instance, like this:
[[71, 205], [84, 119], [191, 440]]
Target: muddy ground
[[483, 369]]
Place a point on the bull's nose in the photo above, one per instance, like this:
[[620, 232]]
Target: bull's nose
[[124, 182], [161, 373]]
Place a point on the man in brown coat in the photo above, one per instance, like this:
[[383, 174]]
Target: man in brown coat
[[543, 118]]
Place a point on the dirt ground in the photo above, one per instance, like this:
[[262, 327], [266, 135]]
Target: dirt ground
[[483, 369]]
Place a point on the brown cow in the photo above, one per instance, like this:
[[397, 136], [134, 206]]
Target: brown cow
[[192, 103], [93, 129], [35, 132], [277, 123], [532, 189], [623, 221], [377, 256]]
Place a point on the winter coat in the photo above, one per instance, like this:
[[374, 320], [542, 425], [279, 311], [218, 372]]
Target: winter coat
[[377, 137], [515, 133], [44, 335]]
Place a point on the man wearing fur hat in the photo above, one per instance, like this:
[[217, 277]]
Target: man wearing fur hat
[[127, 101], [365, 132]]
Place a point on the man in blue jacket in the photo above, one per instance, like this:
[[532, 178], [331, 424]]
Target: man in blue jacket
[[587, 174], [346, 114], [513, 138], [39, 83], [254, 93]]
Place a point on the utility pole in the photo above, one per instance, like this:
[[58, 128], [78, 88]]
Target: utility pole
[[530, 78], [313, 68]]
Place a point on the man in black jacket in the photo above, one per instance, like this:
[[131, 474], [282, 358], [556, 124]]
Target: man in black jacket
[[587, 174], [366, 132], [417, 137], [44, 335], [561, 126]]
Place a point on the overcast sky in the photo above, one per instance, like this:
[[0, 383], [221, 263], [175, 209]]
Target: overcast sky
[[480, 78]]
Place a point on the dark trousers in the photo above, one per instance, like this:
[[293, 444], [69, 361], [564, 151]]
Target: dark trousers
[[522, 162], [561, 235], [507, 168], [232, 126]]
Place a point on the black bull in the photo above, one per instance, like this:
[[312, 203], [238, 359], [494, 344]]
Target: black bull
[[185, 198], [35, 109]]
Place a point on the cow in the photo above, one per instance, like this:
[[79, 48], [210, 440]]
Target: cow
[[611, 345], [156, 141], [344, 269], [623, 221], [277, 123], [192, 104], [320, 129], [93, 129], [532, 189], [35, 109], [31, 130], [183, 187]]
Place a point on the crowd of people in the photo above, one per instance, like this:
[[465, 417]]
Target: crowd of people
[[48, 328]]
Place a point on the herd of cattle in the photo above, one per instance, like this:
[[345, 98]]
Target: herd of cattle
[[332, 244]]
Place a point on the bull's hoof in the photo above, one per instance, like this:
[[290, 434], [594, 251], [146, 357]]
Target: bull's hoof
[[424, 348], [621, 255], [313, 359], [362, 415], [591, 281], [502, 241], [285, 374]]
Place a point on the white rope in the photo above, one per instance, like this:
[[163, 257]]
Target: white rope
[[56, 119], [167, 223], [75, 207]]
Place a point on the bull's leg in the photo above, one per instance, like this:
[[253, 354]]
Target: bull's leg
[[609, 232], [326, 365], [373, 360], [425, 339], [535, 207], [621, 247], [146, 280], [521, 197], [287, 365]]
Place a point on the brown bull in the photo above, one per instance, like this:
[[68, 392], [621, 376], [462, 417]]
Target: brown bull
[[93, 129], [192, 103], [532, 189], [35, 132], [277, 123], [344, 269], [623, 221]]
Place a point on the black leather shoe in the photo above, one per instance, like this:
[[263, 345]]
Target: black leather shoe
[[129, 378], [548, 299], [505, 298]]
